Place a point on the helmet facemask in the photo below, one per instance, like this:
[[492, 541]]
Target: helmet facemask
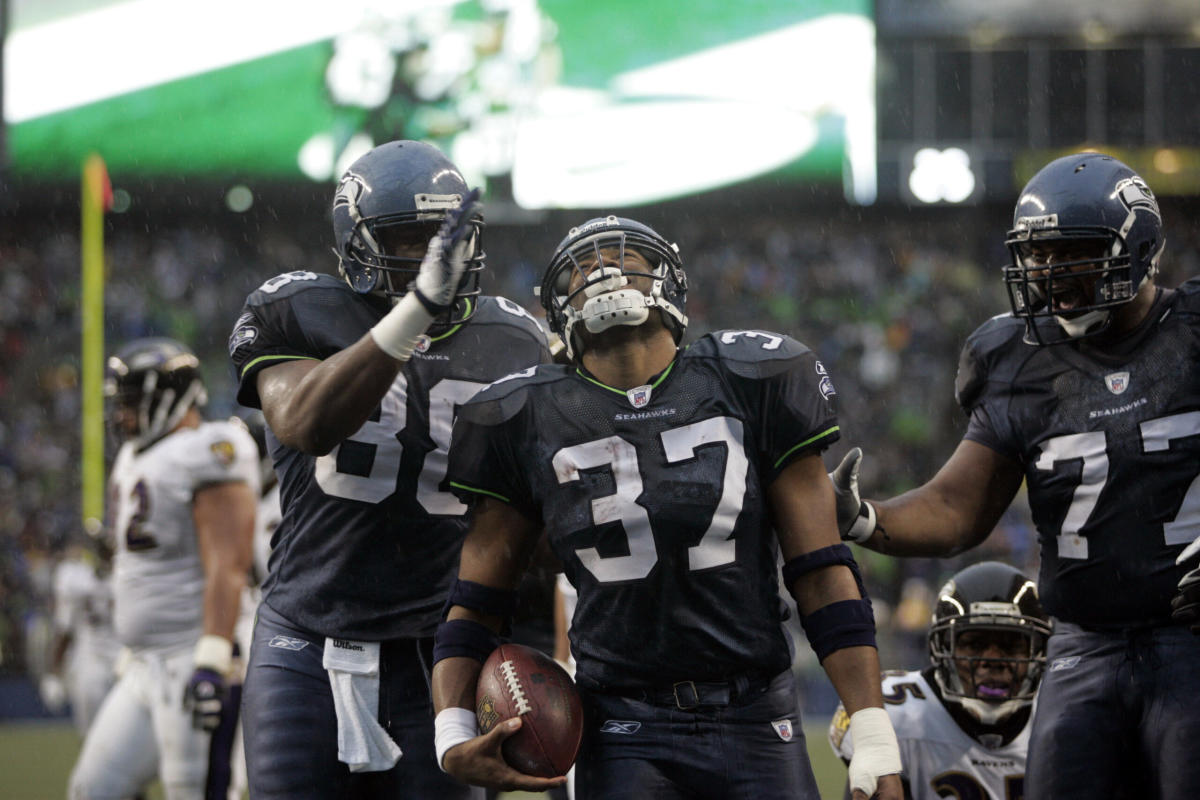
[[383, 254], [612, 277], [1079, 291], [989, 660]]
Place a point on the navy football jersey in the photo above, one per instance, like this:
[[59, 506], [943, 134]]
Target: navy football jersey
[[368, 543], [1110, 445], [654, 499]]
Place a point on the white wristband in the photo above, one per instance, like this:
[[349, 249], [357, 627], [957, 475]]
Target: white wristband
[[864, 524], [398, 332], [452, 726], [213, 652], [876, 751]]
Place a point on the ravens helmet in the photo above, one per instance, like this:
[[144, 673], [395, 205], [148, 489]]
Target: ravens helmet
[[1108, 221], [388, 205], [609, 298], [988, 639], [150, 384]]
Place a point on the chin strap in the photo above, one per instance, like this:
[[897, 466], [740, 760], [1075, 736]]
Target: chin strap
[[610, 304], [1077, 327], [987, 713]]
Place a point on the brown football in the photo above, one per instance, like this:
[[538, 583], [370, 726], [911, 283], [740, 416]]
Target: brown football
[[519, 681]]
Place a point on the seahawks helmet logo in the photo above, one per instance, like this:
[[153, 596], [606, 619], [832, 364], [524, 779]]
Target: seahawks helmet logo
[[1135, 194]]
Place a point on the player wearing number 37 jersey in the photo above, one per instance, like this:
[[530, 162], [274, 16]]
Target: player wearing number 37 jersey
[[668, 482], [359, 378]]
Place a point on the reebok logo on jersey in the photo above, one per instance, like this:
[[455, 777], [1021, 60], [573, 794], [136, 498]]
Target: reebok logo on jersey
[[287, 643], [783, 727], [1064, 663], [624, 727]]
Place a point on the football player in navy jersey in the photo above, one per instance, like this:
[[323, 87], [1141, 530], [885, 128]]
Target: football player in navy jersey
[[359, 378], [1089, 391], [668, 483]]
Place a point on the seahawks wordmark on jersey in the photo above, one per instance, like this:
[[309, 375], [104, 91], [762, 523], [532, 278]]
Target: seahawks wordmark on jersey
[[158, 577], [369, 539], [939, 758], [1110, 446], [654, 500]]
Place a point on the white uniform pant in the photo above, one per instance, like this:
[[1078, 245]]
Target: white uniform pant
[[142, 731]]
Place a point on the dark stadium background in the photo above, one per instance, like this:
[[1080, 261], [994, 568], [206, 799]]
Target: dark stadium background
[[884, 289]]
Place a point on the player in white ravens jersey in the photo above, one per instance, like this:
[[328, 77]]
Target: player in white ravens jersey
[[963, 722], [182, 494], [84, 648]]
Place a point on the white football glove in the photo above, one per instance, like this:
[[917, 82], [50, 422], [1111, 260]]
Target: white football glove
[[435, 287], [876, 751], [442, 269], [855, 516]]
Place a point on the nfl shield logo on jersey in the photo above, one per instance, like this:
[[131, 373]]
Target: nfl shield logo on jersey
[[784, 728], [423, 343], [639, 396], [1117, 382]]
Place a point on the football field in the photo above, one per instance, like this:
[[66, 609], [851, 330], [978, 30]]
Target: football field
[[36, 758]]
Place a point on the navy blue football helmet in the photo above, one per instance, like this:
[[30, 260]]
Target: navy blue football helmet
[[150, 384], [989, 597], [1110, 216], [608, 303], [396, 196]]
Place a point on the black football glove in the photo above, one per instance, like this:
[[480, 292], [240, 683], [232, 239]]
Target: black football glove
[[204, 697], [855, 516], [442, 268], [1186, 603]]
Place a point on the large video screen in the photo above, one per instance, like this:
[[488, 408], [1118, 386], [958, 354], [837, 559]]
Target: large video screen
[[568, 103]]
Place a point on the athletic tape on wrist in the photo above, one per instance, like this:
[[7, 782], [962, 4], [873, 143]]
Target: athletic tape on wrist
[[875, 744], [213, 652], [864, 524], [452, 726], [400, 329]]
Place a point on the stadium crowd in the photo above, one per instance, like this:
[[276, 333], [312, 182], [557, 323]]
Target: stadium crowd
[[885, 299]]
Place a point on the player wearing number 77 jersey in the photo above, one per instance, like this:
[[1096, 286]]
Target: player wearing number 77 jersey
[[359, 378], [668, 482], [1090, 393]]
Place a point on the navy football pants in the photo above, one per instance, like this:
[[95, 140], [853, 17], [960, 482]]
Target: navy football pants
[[1117, 709], [290, 726], [751, 750]]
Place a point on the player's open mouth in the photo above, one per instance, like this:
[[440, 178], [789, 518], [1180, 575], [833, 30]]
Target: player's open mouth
[[1067, 300], [992, 691]]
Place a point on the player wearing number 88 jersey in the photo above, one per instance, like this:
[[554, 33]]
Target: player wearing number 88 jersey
[[359, 380], [668, 483]]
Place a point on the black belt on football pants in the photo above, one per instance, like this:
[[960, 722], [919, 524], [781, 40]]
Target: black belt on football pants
[[690, 695]]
